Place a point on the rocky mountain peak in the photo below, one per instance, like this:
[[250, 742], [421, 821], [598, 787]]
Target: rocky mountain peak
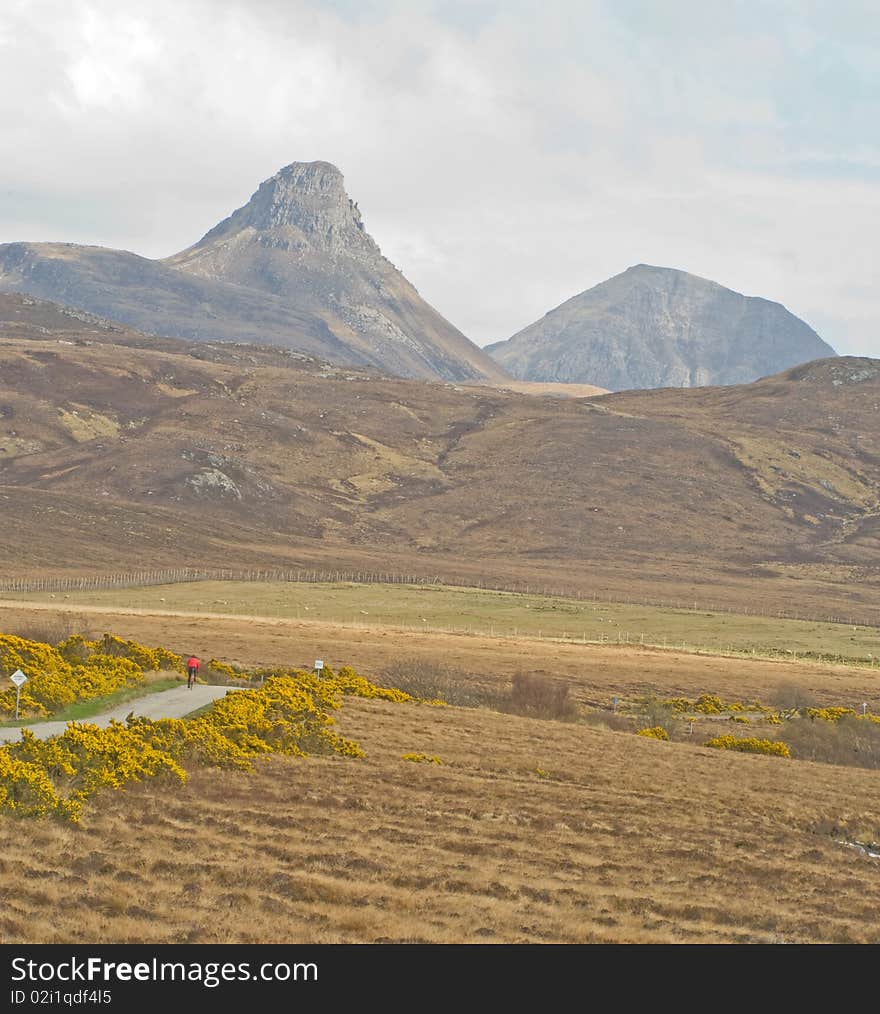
[[294, 266], [303, 204], [659, 327]]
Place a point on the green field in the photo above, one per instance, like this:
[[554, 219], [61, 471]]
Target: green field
[[503, 614]]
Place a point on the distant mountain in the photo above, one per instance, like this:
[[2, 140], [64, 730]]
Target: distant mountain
[[294, 267], [659, 327]]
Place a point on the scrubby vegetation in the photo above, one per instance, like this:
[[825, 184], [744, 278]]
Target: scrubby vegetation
[[849, 739], [541, 697], [654, 732], [75, 669], [288, 713], [278, 709], [770, 747], [429, 679]]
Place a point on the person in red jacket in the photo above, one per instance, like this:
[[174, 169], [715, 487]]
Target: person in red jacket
[[192, 670]]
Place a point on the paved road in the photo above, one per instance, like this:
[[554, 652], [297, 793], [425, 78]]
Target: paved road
[[173, 703]]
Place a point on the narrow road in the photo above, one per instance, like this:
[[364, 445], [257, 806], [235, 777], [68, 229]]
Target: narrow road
[[173, 703]]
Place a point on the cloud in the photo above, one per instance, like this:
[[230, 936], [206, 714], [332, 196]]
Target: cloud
[[505, 156]]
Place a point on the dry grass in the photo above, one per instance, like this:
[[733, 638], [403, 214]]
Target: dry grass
[[613, 839], [50, 627], [761, 496], [530, 831], [597, 673], [473, 610]]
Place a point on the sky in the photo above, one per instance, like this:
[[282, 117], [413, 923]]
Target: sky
[[504, 155]]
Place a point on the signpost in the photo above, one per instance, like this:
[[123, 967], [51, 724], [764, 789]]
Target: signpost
[[319, 665], [18, 677]]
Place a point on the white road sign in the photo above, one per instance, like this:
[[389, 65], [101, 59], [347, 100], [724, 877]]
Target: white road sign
[[18, 677], [319, 663]]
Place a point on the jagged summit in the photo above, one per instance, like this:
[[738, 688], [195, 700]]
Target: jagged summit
[[304, 205]]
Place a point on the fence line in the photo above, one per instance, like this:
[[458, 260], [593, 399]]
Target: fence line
[[182, 575]]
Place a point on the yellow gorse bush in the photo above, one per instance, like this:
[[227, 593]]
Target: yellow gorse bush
[[655, 732], [711, 704], [289, 713], [828, 714], [835, 714], [708, 704], [77, 649], [27, 790], [424, 758], [679, 704], [224, 669], [327, 686], [771, 747], [74, 670], [86, 758]]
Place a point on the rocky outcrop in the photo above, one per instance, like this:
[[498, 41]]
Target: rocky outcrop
[[658, 327], [303, 208]]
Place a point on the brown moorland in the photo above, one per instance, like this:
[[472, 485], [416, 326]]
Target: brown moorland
[[529, 830], [120, 452]]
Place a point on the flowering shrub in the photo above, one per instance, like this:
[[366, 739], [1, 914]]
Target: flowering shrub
[[27, 790], [655, 732], [326, 687], [835, 714], [291, 713], [77, 649], [75, 670], [828, 714], [679, 704], [283, 716], [423, 758], [708, 704], [711, 704], [347, 681], [230, 671], [86, 758], [770, 747], [50, 684]]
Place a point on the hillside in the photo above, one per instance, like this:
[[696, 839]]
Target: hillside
[[658, 327], [158, 453], [294, 267]]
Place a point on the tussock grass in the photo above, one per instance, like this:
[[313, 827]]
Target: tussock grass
[[621, 839]]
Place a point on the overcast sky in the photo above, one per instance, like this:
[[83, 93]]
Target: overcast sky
[[505, 155]]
